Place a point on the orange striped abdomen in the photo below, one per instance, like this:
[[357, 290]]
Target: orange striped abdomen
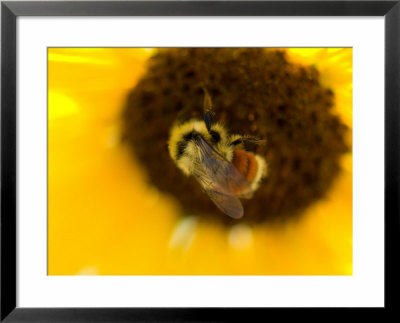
[[246, 163]]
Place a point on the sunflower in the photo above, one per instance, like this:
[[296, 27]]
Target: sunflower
[[111, 213]]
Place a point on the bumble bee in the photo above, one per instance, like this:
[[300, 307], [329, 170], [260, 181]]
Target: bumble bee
[[217, 160]]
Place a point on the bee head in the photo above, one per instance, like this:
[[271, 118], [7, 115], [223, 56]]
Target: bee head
[[183, 142]]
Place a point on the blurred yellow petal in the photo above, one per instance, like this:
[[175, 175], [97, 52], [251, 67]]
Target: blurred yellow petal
[[183, 235], [240, 237], [336, 69], [66, 105]]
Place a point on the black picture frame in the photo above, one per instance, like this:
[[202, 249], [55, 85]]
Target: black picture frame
[[11, 10]]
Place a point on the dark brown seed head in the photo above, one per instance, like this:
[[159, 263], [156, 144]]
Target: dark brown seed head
[[254, 92]]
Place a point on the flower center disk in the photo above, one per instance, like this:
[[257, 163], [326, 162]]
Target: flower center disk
[[255, 92]]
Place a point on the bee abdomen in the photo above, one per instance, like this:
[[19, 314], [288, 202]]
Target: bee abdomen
[[245, 163], [252, 168]]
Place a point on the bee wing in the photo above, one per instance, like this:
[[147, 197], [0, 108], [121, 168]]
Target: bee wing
[[220, 180], [226, 178], [227, 203]]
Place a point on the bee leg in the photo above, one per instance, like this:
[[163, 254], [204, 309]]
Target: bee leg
[[236, 142], [244, 140]]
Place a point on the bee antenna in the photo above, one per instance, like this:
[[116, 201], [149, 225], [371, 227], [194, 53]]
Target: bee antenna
[[207, 120], [248, 139], [207, 106]]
